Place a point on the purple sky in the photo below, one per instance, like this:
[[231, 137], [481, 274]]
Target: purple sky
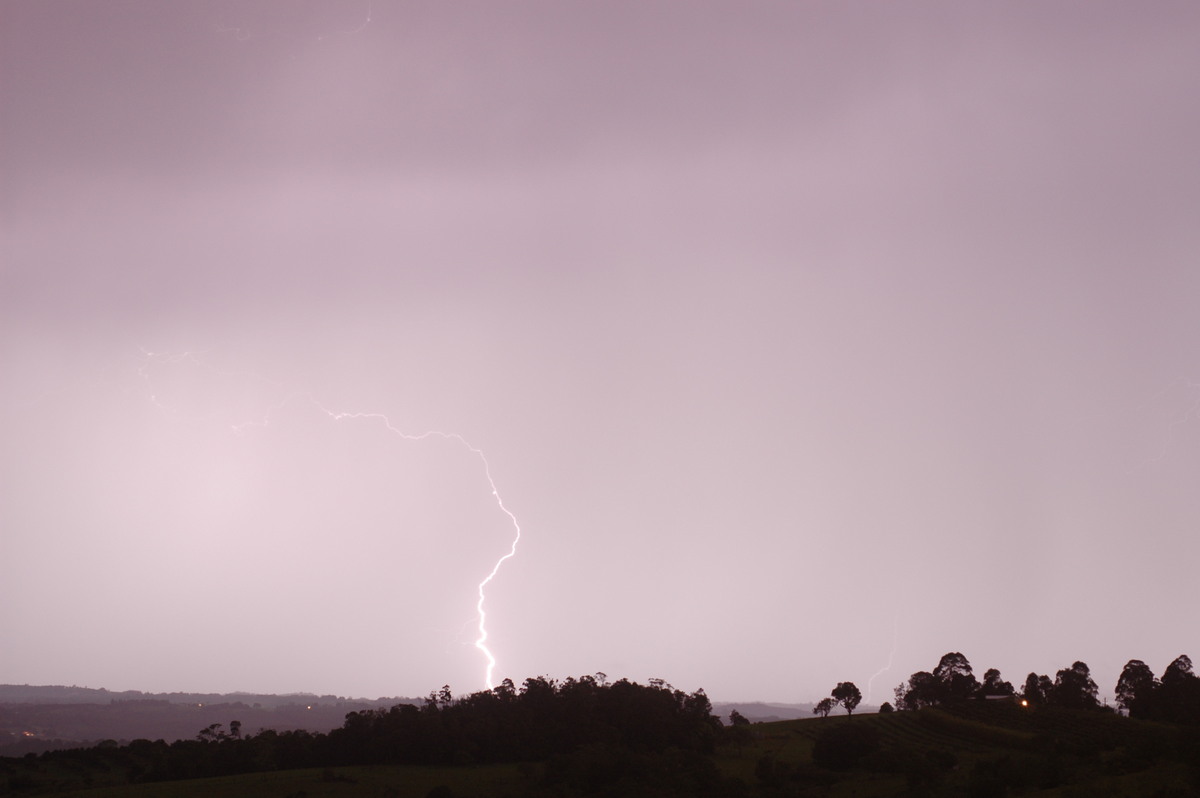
[[791, 332]]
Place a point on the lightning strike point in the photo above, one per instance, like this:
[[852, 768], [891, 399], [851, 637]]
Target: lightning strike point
[[481, 640]]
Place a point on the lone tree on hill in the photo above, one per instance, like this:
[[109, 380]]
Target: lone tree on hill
[[847, 695]]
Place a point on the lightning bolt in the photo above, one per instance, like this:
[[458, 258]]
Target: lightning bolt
[[149, 359], [891, 658], [481, 640]]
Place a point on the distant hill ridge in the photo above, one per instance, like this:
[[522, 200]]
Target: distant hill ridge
[[769, 711], [61, 694], [35, 718]]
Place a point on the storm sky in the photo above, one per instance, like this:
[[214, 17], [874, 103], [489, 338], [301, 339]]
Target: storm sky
[[800, 339]]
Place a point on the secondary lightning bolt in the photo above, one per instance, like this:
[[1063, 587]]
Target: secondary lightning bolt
[[891, 658], [144, 372]]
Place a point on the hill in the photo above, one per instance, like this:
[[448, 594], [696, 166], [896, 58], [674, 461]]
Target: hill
[[34, 719], [61, 694], [765, 712]]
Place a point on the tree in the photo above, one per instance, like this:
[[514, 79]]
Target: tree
[[738, 732], [1135, 688], [1045, 686], [1178, 698], [920, 691], [1074, 688], [954, 677], [505, 691], [824, 707], [1037, 689], [848, 695], [885, 707], [1179, 671], [993, 685], [211, 733]]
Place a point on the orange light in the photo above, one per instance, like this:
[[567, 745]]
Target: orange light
[[1024, 703]]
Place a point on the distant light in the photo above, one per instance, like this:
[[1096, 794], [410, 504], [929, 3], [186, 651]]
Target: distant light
[[1024, 702], [199, 705], [309, 706]]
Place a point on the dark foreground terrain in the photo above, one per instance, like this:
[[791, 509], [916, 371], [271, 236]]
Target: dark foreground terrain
[[583, 738]]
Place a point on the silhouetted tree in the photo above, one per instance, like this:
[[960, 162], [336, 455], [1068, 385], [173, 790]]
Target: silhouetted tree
[[505, 691], [950, 681], [1178, 696], [1074, 688], [211, 733], [738, 732], [824, 707], [848, 695], [1135, 688], [922, 690], [954, 678], [1179, 671], [886, 707], [993, 685], [1037, 689]]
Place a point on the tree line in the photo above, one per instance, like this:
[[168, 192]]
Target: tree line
[[1173, 697], [584, 729], [597, 737]]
